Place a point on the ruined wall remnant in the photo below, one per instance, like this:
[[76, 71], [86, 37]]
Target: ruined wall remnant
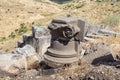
[[40, 39]]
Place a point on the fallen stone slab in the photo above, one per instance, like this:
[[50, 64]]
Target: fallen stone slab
[[11, 63], [94, 36], [26, 59], [32, 58], [108, 32]]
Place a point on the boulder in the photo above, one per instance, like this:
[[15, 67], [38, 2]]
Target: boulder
[[26, 59], [32, 58], [43, 39]]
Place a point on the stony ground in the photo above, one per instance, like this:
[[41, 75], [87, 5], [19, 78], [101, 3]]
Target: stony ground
[[98, 64]]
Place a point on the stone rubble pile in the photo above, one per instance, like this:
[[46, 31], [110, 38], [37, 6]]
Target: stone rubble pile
[[30, 51], [26, 58], [39, 40]]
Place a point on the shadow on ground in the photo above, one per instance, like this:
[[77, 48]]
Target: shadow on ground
[[105, 60], [56, 1], [60, 1]]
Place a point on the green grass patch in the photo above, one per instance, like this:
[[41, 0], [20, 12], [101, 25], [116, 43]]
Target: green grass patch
[[18, 32], [2, 39], [113, 20]]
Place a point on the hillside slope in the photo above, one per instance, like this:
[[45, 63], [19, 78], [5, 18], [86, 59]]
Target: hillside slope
[[41, 12], [15, 12]]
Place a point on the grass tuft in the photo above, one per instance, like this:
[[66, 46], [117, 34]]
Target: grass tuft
[[113, 20], [2, 39]]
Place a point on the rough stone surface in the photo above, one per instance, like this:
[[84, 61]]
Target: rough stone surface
[[100, 31], [96, 64], [64, 48], [32, 59], [11, 63], [40, 39], [26, 59]]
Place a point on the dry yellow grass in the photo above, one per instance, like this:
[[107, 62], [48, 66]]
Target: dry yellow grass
[[15, 12]]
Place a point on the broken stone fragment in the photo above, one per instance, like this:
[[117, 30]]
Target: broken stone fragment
[[108, 32], [32, 58], [20, 43], [26, 59], [40, 39], [11, 63], [43, 39]]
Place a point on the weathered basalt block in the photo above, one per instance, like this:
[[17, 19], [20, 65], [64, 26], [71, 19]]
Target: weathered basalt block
[[65, 41], [40, 39]]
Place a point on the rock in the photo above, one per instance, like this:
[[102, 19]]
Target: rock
[[97, 53], [42, 34], [40, 39], [11, 63], [26, 59], [32, 59]]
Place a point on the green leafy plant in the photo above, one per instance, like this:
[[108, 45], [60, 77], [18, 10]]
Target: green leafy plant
[[22, 29], [2, 39], [12, 35]]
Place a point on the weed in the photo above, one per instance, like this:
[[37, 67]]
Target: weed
[[12, 35], [2, 39], [20, 31], [33, 23], [6, 50], [68, 15]]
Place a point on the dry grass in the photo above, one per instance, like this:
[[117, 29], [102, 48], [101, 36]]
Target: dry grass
[[110, 40], [41, 12]]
